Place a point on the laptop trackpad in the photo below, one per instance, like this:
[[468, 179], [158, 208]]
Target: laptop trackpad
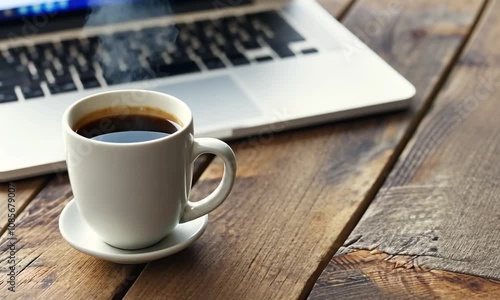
[[217, 103]]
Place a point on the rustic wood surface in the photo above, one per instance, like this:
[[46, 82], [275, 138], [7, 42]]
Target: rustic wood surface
[[298, 193], [47, 267], [439, 207], [24, 192], [367, 274]]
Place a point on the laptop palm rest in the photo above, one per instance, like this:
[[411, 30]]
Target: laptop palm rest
[[217, 103]]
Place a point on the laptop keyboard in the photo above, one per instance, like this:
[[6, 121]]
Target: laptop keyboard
[[131, 56]]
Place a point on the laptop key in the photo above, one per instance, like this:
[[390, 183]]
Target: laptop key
[[69, 60], [9, 70], [228, 21], [31, 91], [15, 79], [263, 58], [37, 77], [310, 51], [117, 77], [7, 95], [89, 81], [85, 68], [43, 64], [70, 43], [204, 51], [34, 55], [142, 74], [237, 59], [155, 58], [62, 86], [17, 51], [282, 50], [250, 45], [177, 68], [250, 29], [10, 61], [282, 31], [179, 56], [230, 35], [213, 63], [59, 50], [41, 48], [86, 48], [62, 73], [92, 41], [228, 49]]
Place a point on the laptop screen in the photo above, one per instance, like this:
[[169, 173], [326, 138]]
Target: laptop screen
[[21, 18], [17, 9]]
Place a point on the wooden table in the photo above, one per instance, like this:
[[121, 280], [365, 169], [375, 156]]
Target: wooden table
[[404, 205]]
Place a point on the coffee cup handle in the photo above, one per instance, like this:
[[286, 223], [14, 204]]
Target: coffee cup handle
[[200, 208]]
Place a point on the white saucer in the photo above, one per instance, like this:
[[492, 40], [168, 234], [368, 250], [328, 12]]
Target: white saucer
[[81, 237]]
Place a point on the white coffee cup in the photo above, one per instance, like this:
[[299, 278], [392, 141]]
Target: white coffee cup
[[134, 194]]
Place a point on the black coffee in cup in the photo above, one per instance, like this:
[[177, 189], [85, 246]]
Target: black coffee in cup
[[127, 125]]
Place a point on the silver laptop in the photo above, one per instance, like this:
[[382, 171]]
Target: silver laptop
[[244, 67]]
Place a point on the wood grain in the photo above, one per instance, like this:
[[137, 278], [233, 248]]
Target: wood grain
[[366, 274], [440, 205], [298, 192], [24, 191], [48, 267]]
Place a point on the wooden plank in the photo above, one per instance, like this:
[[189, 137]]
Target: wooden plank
[[46, 266], [440, 203], [366, 274], [297, 192], [50, 268], [22, 191]]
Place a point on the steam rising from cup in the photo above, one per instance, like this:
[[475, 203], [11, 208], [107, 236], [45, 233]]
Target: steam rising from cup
[[123, 57]]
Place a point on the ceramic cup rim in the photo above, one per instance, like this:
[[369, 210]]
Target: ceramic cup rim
[[183, 127]]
